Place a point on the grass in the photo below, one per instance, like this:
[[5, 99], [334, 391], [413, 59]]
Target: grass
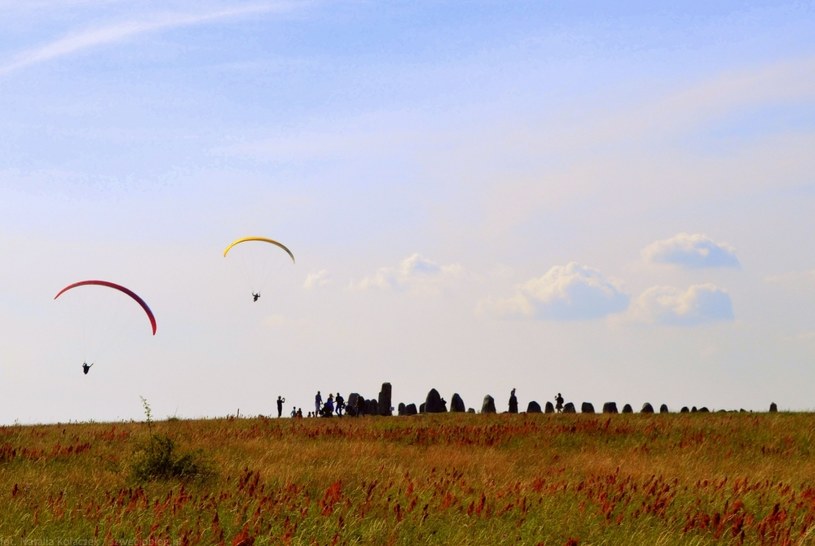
[[431, 479]]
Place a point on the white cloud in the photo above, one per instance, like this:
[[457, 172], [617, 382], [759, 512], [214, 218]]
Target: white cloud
[[317, 279], [698, 304], [570, 292], [414, 272], [691, 251]]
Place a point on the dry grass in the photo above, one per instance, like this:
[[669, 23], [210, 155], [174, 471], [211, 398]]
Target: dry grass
[[450, 479]]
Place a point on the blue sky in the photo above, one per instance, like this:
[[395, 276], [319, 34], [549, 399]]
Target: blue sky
[[613, 202]]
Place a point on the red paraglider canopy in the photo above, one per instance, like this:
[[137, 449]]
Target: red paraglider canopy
[[121, 289]]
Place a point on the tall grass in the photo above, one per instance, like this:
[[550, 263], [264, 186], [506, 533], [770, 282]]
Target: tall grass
[[429, 479]]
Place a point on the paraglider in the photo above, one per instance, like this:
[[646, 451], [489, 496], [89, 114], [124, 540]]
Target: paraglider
[[120, 288], [256, 269], [259, 239], [86, 367]]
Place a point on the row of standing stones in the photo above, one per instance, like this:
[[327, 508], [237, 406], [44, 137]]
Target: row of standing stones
[[358, 405]]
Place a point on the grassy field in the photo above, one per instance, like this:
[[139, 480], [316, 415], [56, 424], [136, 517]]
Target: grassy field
[[723, 478]]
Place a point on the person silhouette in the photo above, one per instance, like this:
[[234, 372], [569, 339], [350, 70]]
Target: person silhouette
[[559, 403], [513, 402], [280, 401], [86, 367], [328, 408], [318, 402], [340, 404], [255, 296]]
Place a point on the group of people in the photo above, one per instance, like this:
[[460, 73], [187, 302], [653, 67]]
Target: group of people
[[333, 405]]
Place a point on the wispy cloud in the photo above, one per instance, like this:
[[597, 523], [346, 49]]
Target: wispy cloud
[[703, 103], [568, 292], [701, 303], [599, 153], [807, 337], [793, 278], [93, 38], [691, 251]]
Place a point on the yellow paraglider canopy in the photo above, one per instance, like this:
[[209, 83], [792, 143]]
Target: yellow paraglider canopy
[[260, 239]]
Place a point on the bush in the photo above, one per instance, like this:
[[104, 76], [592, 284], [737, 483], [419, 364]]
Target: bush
[[158, 459]]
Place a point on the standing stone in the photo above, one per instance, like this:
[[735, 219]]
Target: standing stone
[[647, 408], [488, 406], [434, 402], [384, 400], [773, 407], [457, 404], [693, 409], [352, 407], [410, 409], [704, 409], [470, 410], [628, 409], [569, 408], [549, 408], [663, 408], [400, 409], [684, 410], [533, 407], [586, 407], [423, 407], [610, 407]]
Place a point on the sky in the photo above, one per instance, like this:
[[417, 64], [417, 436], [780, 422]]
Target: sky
[[614, 201]]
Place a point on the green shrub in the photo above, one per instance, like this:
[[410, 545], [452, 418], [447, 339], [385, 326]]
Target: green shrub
[[159, 459]]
